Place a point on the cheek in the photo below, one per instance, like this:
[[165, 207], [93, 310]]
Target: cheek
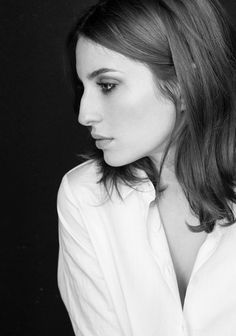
[[140, 137], [127, 111], [144, 116]]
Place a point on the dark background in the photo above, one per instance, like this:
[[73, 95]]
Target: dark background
[[40, 139]]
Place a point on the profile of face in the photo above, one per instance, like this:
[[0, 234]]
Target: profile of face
[[121, 102]]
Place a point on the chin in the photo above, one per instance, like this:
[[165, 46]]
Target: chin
[[117, 160], [114, 162]]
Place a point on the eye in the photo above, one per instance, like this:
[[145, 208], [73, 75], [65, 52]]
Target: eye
[[106, 87]]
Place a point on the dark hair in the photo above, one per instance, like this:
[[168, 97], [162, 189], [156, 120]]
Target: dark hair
[[187, 45]]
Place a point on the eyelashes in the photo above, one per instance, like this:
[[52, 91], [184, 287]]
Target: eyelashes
[[107, 87]]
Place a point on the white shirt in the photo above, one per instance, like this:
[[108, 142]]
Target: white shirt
[[115, 272]]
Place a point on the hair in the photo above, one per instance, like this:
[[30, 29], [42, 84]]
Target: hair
[[188, 47]]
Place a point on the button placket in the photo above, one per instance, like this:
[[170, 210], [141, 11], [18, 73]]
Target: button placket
[[161, 251], [184, 328], [207, 249]]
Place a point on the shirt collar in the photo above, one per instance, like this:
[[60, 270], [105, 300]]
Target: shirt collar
[[145, 187]]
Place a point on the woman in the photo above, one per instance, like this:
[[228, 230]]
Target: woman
[[147, 224]]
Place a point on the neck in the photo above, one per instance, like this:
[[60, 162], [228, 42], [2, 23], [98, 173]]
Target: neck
[[168, 176]]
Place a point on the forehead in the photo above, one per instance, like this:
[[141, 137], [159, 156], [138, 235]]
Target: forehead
[[90, 56], [87, 50]]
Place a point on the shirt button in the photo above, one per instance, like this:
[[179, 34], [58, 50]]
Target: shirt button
[[155, 228], [183, 328], [168, 269], [168, 273]]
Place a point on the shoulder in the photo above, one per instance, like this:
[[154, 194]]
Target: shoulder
[[86, 173], [81, 182]]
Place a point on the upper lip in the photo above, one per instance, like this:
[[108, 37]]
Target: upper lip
[[98, 136]]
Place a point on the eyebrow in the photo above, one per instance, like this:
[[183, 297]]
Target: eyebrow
[[99, 72]]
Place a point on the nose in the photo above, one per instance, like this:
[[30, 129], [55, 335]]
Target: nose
[[89, 111]]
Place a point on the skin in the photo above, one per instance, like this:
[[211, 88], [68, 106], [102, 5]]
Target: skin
[[124, 104], [127, 106]]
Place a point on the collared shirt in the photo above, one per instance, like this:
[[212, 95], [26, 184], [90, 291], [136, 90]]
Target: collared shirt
[[115, 271]]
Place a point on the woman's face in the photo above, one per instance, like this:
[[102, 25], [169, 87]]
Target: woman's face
[[122, 103]]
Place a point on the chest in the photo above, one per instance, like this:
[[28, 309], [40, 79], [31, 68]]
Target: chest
[[183, 244]]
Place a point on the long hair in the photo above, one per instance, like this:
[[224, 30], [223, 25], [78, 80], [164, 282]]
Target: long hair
[[187, 46]]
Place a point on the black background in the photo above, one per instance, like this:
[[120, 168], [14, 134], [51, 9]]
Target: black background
[[40, 137]]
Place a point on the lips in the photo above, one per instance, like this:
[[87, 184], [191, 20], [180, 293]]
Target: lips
[[103, 138], [103, 143], [100, 137]]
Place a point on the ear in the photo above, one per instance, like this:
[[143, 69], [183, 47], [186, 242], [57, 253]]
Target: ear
[[180, 109], [180, 121], [181, 101], [182, 104]]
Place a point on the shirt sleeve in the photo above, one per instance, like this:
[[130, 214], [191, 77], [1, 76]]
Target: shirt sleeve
[[80, 280]]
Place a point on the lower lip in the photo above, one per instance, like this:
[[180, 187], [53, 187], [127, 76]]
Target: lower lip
[[103, 143]]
